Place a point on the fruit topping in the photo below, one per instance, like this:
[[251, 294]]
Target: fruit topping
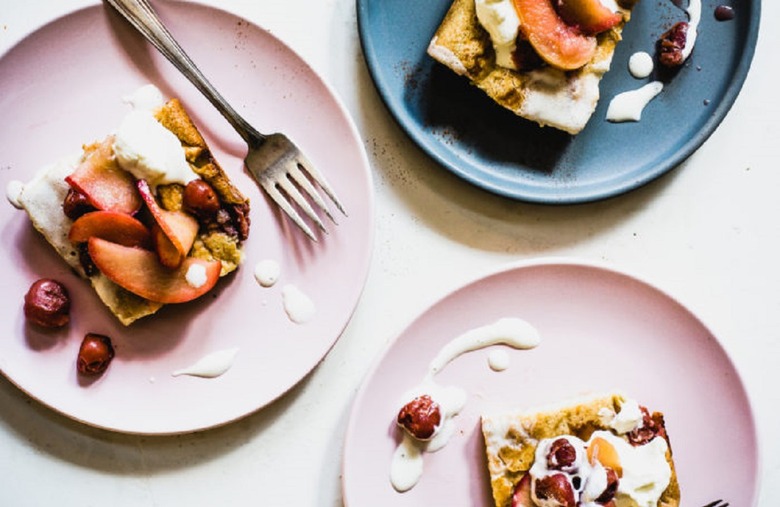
[[590, 16], [522, 494], [650, 428], [559, 44], [140, 272], [671, 45], [611, 489], [76, 204], [103, 183], [561, 455], [420, 417], [600, 450], [95, 354], [200, 199], [112, 226], [175, 231], [47, 303], [554, 490]]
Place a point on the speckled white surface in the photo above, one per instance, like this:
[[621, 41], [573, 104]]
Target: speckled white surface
[[708, 233]]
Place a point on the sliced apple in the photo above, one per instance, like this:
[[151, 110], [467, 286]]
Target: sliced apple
[[112, 226], [140, 272], [521, 497], [590, 16], [105, 185], [557, 43], [176, 230], [170, 256], [605, 453]]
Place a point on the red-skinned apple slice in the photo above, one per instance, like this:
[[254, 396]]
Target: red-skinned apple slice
[[105, 185], [522, 494], [170, 256], [178, 228], [140, 272], [112, 226], [557, 43], [590, 16]]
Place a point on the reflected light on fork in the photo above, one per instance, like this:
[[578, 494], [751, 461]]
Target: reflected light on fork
[[717, 503], [274, 161]]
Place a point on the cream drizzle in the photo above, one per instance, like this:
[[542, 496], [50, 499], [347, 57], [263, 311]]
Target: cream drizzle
[[406, 467], [211, 365], [694, 16], [628, 106]]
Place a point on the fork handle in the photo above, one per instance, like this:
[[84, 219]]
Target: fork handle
[[144, 18]]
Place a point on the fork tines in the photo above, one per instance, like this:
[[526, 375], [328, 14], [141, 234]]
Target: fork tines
[[295, 184]]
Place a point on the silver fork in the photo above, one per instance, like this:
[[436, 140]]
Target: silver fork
[[278, 166], [717, 503]]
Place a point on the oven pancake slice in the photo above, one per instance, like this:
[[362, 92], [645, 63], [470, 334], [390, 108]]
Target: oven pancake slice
[[548, 96], [512, 437], [42, 198]]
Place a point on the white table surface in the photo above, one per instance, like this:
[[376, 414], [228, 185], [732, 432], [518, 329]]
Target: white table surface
[[708, 233]]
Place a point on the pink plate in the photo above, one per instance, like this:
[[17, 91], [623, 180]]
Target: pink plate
[[62, 86], [600, 330]]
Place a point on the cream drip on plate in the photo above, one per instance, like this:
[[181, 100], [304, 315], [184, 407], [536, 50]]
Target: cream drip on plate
[[629, 105], [640, 64], [211, 365], [267, 272], [298, 306], [406, 467]]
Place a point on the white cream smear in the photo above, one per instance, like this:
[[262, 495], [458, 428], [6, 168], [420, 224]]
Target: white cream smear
[[694, 16], [406, 467], [498, 360], [298, 306], [13, 191], [211, 365], [628, 106], [514, 332], [267, 272], [640, 64]]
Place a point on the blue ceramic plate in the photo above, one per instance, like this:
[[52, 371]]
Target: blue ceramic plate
[[462, 129]]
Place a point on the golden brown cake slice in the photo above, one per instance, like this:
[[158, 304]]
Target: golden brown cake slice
[[591, 451], [147, 214], [524, 72]]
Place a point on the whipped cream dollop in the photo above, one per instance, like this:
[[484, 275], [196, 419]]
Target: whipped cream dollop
[[146, 149]]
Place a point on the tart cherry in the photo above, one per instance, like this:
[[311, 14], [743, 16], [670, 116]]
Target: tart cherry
[[561, 455], [95, 354], [612, 484], [420, 417], [554, 490], [47, 303], [200, 198], [76, 204]]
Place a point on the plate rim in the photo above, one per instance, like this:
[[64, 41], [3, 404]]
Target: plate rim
[[563, 195]]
